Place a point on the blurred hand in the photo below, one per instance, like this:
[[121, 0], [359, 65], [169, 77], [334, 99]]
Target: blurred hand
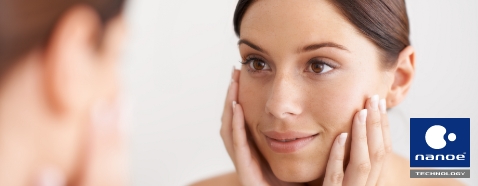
[[105, 159], [106, 156]]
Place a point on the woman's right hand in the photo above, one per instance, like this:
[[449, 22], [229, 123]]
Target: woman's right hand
[[250, 169]]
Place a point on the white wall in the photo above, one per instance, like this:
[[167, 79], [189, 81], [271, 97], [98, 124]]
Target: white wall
[[177, 68]]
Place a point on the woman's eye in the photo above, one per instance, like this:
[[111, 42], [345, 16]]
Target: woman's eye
[[256, 64], [319, 67]]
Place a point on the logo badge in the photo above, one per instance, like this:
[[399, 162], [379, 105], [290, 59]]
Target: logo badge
[[440, 142]]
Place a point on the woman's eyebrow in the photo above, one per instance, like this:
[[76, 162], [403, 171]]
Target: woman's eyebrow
[[304, 49], [322, 45], [250, 44]]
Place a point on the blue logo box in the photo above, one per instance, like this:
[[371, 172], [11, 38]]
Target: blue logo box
[[440, 142]]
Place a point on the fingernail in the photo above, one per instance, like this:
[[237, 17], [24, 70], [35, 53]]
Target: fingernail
[[123, 113], [105, 116], [374, 102], [233, 69], [383, 106], [342, 138], [363, 116], [234, 104], [97, 115], [51, 177]]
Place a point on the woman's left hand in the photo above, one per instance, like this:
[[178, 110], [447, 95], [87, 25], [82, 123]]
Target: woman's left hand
[[370, 147]]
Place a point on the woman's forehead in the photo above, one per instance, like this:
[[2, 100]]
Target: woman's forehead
[[295, 24]]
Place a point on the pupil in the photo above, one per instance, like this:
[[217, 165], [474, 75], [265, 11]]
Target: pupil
[[317, 67], [259, 65]]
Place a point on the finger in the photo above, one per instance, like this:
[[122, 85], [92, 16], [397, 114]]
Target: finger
[[334, 172], [387, 140], [50, 176], [374, 139], [247, 167], [385, 127], [230, 96], [359, 166], [234, 79], [106, 156], [226, 127]]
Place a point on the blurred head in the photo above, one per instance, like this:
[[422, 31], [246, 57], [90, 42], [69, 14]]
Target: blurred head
[[309, 66], [57, 60]]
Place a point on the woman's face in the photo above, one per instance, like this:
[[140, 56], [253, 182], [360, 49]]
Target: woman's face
[[307, 72]]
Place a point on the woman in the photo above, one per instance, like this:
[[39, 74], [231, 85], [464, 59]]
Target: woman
[[309, 103], [58, 86]]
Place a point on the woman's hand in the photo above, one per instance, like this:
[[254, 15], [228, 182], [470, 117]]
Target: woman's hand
[[370, 146], [251, 170], [104, 162]]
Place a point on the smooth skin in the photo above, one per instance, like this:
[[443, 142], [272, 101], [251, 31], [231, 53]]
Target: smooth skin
[[285, 39]]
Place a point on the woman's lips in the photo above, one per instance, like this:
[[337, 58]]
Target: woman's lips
[[288, 142]]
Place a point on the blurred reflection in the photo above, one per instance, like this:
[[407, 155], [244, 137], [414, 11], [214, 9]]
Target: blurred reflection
[[59, 114]]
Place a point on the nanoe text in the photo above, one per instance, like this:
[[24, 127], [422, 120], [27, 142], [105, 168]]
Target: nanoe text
[[439, 157]]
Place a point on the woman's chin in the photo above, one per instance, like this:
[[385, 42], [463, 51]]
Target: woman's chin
[[300, 172]]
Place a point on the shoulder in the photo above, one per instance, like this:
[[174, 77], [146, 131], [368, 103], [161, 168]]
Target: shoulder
[[225, 179]]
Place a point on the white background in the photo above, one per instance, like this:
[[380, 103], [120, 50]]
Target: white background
[[177, 67]]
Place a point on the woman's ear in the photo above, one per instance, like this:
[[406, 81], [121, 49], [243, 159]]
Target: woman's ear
[[402, 77], [70, 56]]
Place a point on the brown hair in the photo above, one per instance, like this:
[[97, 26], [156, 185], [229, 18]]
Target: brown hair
[[25, 24], [384, 22]]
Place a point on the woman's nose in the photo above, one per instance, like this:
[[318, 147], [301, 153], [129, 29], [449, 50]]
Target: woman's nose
[[284, 98]]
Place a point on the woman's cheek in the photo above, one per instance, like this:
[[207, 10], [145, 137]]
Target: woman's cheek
[[252, 97], [338, 104]]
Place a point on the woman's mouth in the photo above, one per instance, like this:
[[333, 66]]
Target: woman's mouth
[[288, 142]]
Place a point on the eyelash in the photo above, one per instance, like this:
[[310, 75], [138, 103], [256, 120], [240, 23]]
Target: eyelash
[[320, 61], [249, 59]]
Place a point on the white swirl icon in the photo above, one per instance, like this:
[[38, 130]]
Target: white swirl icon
[[434, 137]]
